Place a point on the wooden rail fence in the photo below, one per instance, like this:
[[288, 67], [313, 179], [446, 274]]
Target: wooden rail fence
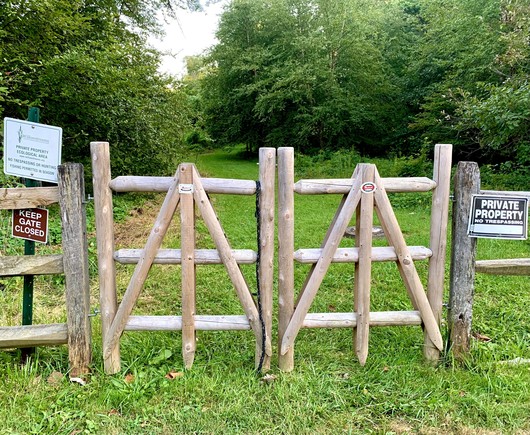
[[76, 332], [188, 190], [361, 200]]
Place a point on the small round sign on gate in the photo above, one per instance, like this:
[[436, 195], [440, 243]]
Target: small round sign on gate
[[368, 187]]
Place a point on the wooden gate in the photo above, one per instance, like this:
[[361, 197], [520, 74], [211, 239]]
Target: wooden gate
[[76, 332], [188, 190], [364, 191]]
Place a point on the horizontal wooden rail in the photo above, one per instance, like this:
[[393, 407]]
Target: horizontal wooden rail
[[33, 335], [28, 197], [343, 185], [161, 184], [240, 323], [506, 193], [31, 265], [349, 320], [514, 266], [174, 256], [174, 323], [351, 255]]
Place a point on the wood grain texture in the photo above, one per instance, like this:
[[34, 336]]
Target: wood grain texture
[[101, 177], [363, 268], [187, 237], [31, 265], [512, 266], [285, 251], [174, 256], [343, 185], [464, 248], [29, 197], [162, 184], [225, 252], [351, 255], [405, 263], [267, 179], [75, 260], [438, 239], [33, 335]]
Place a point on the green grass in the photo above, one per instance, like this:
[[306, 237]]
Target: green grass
[[327, 393]]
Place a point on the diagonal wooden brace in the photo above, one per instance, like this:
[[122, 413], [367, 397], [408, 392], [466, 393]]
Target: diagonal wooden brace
[[405, 263], [142, 268], [317, 274], [227, 257]]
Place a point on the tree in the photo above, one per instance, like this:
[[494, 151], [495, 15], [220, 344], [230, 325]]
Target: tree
[[305, 73], [87, 65]]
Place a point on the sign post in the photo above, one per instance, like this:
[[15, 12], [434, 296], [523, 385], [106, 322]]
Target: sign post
[[29, 249], [31, 151]]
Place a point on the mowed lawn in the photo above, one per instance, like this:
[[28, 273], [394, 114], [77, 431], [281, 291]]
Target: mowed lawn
[[328, 392]]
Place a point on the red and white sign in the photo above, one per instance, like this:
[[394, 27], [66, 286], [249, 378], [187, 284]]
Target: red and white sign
[[31, 224], [368, 187]]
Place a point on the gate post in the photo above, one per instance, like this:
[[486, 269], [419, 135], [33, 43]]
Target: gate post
[[75, 261], [285, 251], [460, 313], [438, 239], [105, 243], [267, 172]]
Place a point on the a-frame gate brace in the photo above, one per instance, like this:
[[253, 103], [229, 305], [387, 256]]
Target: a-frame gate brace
[[367, 191]]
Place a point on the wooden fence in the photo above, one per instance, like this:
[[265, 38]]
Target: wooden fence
[[76, 332], [189, 190], [361, 193], [463, 264]]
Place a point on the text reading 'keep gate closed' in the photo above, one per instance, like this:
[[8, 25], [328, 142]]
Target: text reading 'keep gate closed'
[[31, 224], [499, 217]]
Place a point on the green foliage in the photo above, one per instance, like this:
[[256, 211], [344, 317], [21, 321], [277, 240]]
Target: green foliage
[[88, 67], [304, 74]]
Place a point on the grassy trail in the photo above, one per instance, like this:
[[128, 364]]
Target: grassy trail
[[327, 393]]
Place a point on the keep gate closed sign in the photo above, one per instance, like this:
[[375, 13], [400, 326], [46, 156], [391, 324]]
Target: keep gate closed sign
[[31, 224], [498, 217]]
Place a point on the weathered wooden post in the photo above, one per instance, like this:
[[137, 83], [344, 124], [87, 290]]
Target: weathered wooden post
[[267, 172], [75, 263], [460, 314], [438, 239], [101, 177], [285, 251], [187, 237]]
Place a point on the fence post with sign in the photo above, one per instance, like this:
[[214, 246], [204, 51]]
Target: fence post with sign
[[31, 151], [462, 279], [480, 214]]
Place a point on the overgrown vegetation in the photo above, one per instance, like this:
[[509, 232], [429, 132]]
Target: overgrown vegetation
[[379, 77], [328, 392], [88, 66]]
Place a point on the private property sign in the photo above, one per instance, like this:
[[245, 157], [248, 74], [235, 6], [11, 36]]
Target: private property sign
[[504, 217], [32, 150]]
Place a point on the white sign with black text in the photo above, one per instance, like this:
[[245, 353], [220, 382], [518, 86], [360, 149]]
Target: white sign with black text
[[32, 150], [493, 217]]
